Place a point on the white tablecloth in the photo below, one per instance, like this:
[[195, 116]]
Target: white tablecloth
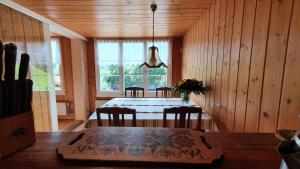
[[146, 105], [149, 111]]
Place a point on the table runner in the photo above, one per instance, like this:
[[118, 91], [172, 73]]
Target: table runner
[[146, 105]]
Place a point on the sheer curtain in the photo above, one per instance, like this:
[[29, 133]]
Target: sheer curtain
[[57, 66]]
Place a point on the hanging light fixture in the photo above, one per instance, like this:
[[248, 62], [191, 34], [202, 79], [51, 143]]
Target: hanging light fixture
[[153, 60]]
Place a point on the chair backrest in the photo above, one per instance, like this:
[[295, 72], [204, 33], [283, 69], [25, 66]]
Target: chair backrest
[[134, 91], [184, 120], [114, 114], [165, 92]]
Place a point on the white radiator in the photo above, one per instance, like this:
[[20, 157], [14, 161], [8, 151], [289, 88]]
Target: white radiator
[[63, 108]]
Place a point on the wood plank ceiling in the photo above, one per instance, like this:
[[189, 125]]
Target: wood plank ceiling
[[121, 18]]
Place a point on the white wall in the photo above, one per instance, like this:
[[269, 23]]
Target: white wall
[[52, 96], [99, 103], [79, 65]]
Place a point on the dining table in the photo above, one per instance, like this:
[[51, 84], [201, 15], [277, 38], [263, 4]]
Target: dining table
[[149, 112]]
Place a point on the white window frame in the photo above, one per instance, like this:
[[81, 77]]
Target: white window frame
[[61, 92], [121, 92]]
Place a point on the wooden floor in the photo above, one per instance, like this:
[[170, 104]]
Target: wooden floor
[[68, 124]]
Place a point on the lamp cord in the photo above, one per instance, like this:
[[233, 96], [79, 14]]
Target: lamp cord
[[153, 29]]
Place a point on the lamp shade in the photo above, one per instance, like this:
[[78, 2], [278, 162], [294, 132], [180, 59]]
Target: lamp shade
[[153, 60]]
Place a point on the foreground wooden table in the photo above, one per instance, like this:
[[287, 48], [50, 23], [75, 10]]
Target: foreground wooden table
[[242, 151]]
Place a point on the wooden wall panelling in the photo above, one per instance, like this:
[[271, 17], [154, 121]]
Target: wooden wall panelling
[[184, 53], [90, 49], [193, 62], [234, 63], [19, 32], [205, 60], [177, 50], [214, 60], [209, 57], [199, 54], [204, 56], [275, 58], [260, 37], [45, 42], [39, 59], [68, 73], [220, 54], [19, 29], [36, 105], [251, 65], [226, 60], [1, 35], [7, 25], [44, 95], [186, 50], [289, 114], [244, 64]]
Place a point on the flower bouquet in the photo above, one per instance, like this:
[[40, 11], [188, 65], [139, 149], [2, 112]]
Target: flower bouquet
[[187, 86]]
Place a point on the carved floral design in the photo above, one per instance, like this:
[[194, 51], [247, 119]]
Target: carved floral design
[[135, 143]]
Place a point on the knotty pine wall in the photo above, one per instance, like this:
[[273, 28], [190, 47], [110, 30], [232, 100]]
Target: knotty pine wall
[[248, 53], [28, 34]]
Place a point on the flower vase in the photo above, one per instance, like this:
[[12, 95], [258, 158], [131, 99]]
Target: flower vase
[[185, 98]]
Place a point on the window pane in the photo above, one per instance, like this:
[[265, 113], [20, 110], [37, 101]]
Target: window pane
[[163, 49], [109, 69], [57, 66], [158, 77], [133, 57]]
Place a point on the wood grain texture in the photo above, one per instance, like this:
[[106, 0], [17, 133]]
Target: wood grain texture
[[209, 58], [65, 44], [251, 64], [234, 63], [275, 62], [7, 24], [244, 64], [91, 71], [260, 37], [226, 60], [290, 103], [121, 18], [245, 151], [16, 131], [149, 146], [28, 35], [176, 58], [214, 60]]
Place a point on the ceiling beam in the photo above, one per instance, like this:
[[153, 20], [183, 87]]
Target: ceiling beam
[[54, 27]]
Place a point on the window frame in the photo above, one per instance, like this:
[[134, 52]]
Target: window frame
[[61, 92], [120, 93]]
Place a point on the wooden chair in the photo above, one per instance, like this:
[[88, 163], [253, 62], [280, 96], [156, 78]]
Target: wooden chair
[[114, 114], [183, 112], [134, 91], [165, 92]]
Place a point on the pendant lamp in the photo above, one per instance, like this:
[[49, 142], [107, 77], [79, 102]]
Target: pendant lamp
[[153, 60]]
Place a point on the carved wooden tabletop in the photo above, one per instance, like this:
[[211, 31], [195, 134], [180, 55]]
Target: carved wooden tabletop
[[242, 151], [137, 144]]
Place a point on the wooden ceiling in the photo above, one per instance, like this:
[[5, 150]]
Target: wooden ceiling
[[121, 18]]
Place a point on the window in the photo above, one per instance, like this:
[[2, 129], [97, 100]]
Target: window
[[117, 66], [57, 66]]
